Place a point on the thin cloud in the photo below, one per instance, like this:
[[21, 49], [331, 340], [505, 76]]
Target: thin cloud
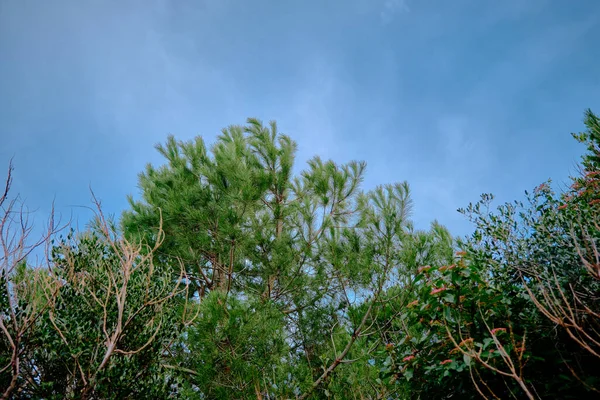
[[313, 109], [391, 8]]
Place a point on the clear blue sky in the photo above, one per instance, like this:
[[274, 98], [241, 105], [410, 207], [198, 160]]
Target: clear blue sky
[[457, 97]]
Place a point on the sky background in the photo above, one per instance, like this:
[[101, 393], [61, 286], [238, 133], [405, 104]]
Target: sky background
[[456, 97]]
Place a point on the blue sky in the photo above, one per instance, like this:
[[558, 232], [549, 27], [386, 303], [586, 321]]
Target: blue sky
[[457, 97]]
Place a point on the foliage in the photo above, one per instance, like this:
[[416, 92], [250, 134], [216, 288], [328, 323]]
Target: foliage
[[23, 293], [234, 348], [255, 236], [93, 324], [237, 274], [516, 313], [110, 320]]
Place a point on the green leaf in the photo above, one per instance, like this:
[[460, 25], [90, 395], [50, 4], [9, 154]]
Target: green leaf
[[467, 359], [448, 315], [449, 298]]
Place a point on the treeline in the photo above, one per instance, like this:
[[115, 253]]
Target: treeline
[[233, 277]]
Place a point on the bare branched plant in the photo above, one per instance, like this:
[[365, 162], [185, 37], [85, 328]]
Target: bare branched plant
[[570, 305], [123, 288], [20, 300], [507, 345]]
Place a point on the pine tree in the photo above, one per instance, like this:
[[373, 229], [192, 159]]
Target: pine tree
[[255, 239]]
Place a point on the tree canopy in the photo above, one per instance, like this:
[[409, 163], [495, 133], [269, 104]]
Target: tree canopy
[[237, 273]]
